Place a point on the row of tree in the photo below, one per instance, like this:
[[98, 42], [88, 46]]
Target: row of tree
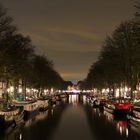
[[119, 61], [18, 62]]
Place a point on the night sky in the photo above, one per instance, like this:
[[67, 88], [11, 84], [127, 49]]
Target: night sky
[[69, 32]]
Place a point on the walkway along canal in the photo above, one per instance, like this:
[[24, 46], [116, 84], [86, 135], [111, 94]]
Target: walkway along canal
[[73, 119]]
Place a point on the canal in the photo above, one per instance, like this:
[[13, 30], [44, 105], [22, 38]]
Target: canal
[[73, 119]]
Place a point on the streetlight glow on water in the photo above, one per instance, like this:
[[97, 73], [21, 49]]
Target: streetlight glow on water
[[74, 118]]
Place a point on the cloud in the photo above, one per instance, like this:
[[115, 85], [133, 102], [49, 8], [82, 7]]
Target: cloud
[[70, 32], [63, 40], [83, 34]]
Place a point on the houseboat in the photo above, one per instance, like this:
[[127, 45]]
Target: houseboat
[[134, 116], [11, 117], [43, 103], [30, 107], [118, 107]]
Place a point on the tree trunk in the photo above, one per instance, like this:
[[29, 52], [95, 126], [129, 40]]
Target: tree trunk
[[133, 88], [6, 93], [24, 88]]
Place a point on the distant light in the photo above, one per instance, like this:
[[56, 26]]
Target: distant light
[[95, 90], [75, 91], [117, 93], [103, 90], [45, 91], [20, 90], [107, 90], [28, 90], [88, 91], [11, 89], [8, 90], [52, 90], [126, 89]]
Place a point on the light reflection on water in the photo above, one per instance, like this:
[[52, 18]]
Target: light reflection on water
[[73, 124], [84, 100], [102, 124], [40, 116], [122, 125], [73, 99], [17, 133]]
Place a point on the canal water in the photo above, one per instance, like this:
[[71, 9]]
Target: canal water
[[73, 119]]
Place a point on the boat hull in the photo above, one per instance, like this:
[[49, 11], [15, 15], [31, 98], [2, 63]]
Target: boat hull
[[11, 118], [117, 112]]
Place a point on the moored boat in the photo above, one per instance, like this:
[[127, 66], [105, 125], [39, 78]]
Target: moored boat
[[53, 100], [30, 107], [43, 103], [134, 116], [58, 98], [118, 107], [12, 116], [109, 107], [63, 95]]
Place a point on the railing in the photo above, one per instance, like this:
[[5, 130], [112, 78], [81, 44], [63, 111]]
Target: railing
[[9, 113]]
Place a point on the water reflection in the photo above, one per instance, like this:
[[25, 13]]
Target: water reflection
[[73, 124], [122, 125], [106, 127], [20, 136], [84, 100], [73, 99], [73, 118]]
